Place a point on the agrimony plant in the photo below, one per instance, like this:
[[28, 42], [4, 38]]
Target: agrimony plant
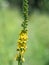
[[21, 48]]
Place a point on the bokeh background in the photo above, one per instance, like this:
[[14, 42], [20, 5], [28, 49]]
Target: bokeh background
[[11, 17]]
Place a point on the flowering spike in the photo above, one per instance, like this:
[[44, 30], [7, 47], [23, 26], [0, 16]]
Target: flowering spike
[[22, 44], [23, 35]]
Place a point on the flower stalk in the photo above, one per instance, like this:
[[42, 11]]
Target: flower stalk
[[22, 46]]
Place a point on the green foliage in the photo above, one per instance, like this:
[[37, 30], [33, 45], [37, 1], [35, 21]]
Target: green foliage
[[40, 4], [9, 24], [46, 5]]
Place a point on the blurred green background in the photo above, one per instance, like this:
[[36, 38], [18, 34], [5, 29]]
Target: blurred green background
[[11, 18]]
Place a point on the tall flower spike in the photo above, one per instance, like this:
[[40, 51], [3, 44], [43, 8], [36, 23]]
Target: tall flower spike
[[23, 35]]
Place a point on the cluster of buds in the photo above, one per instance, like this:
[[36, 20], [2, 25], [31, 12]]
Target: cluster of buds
[[22, 45]]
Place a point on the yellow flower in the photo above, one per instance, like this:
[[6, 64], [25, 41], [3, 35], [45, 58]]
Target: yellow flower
[[22, 44], [22, 52], [24, 41], [19, 45], [23, 60], [19, 41], [23, 36]]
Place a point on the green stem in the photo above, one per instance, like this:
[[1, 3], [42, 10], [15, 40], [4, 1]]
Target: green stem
[[19, 62]]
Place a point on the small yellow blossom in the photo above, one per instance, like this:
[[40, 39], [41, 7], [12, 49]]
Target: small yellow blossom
[[23, 60], [23, 36], [19, 41], [24, 41]]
